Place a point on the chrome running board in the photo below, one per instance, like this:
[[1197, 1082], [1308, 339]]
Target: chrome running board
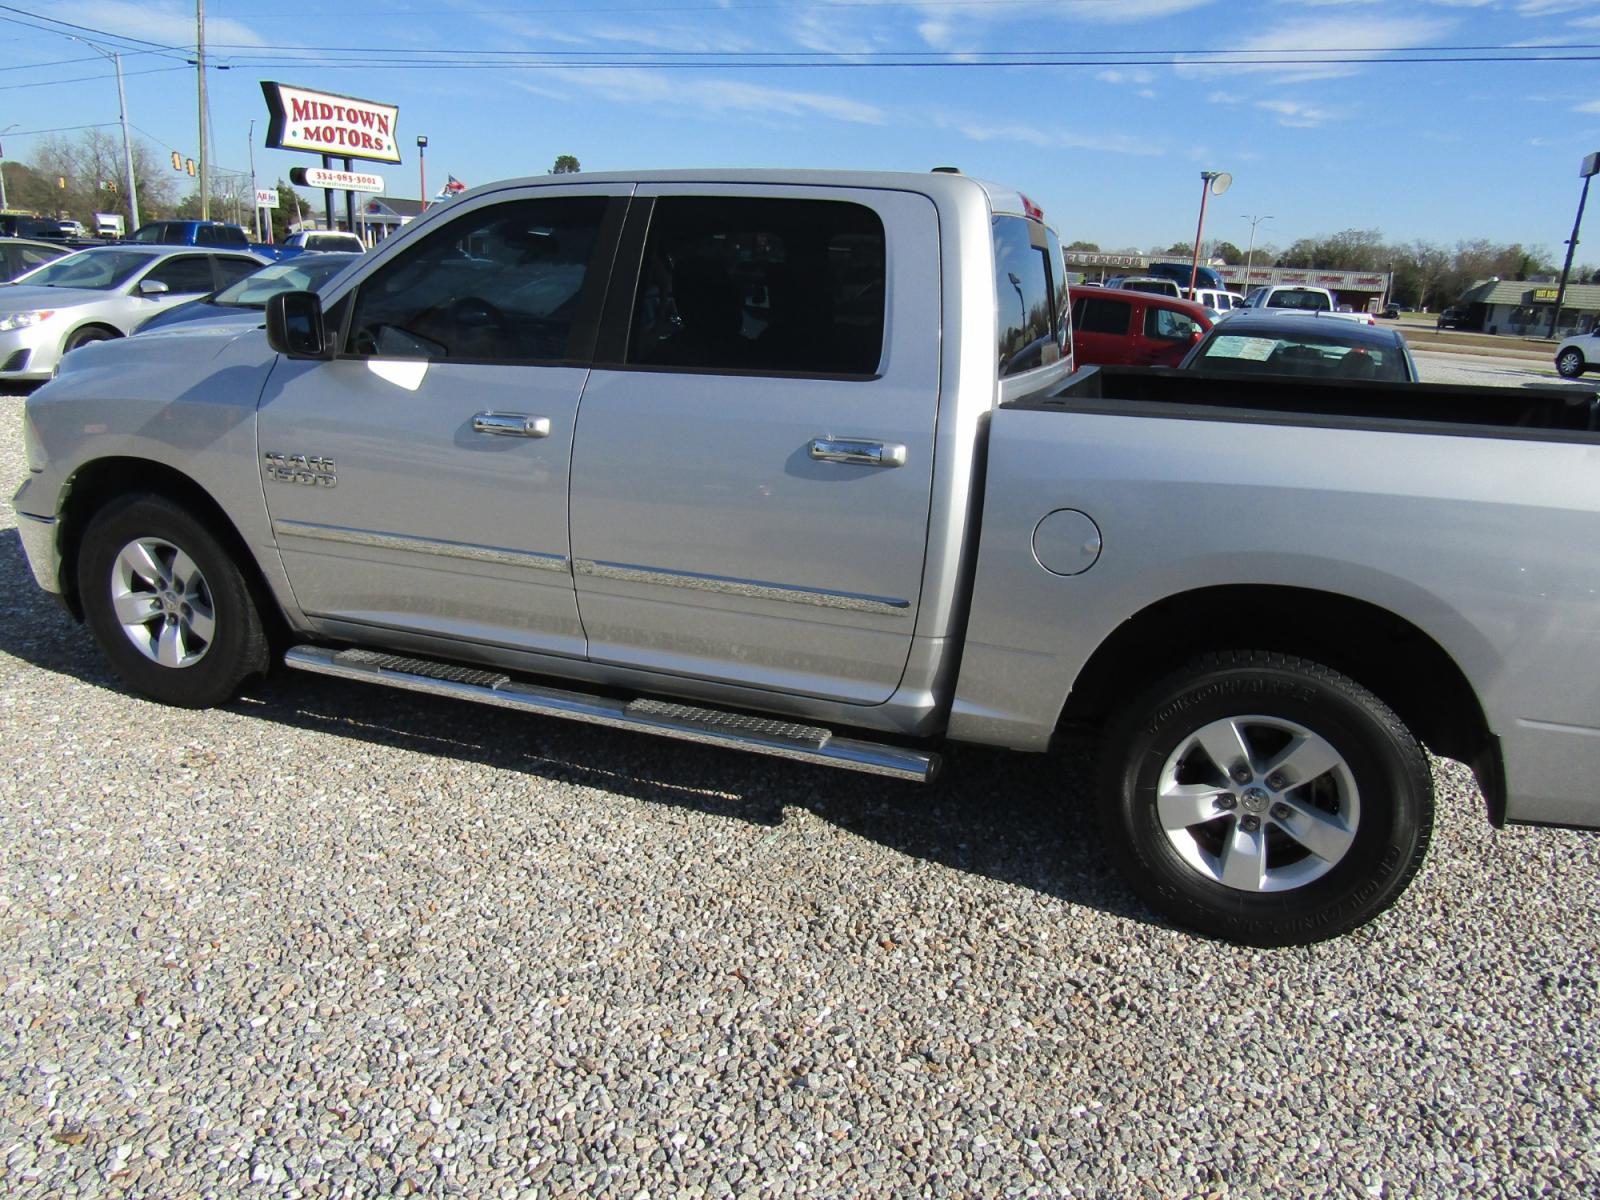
[[737, 731]]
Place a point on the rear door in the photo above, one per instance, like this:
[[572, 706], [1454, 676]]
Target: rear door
[[1102, 327], [752, 470]]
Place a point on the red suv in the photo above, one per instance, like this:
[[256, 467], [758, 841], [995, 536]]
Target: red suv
[[1113, 327]]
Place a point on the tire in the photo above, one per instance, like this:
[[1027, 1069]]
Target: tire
[[1321, 763], [83, 337], [167, 603], [1569, 363]]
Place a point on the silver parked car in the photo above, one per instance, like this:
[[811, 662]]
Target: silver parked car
[[102, 293]]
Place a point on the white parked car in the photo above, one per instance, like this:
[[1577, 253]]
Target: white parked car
[[102, 293], [1579, 353], [1217, 302]]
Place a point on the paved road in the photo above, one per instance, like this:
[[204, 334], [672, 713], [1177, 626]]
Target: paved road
[[1437, 366]]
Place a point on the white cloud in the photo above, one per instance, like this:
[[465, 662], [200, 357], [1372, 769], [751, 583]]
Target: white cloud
[[163, 21], [1126, 75], [1047, 138], [1315, 42], [1593, 106], [1294, 115], [717, 96]]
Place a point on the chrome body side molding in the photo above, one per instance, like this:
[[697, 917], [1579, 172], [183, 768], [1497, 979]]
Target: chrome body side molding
[[419, 545], [741, 587]]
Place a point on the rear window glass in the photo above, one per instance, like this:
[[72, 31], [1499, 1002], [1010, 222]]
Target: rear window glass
[[1299, 298], [1315, 357], [1029, 323], [739, 284]]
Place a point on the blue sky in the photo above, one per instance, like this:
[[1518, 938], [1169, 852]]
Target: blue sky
[[1112, 149]]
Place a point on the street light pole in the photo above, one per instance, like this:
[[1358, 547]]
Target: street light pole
[[422, 170], [1249, 257], [1210, 181], [127, 142], [127, 150]]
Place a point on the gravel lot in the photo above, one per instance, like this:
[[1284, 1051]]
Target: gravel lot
[[337, 941]]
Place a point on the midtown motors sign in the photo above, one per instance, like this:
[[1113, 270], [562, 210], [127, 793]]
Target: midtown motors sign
[[323, 123]]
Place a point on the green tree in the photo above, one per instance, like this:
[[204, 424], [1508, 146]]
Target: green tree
[[1089, 247], [565, 164], [1230, 254]]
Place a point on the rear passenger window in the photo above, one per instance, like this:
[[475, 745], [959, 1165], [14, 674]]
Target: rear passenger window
[[234, 269], [500, 284], [748, 285], [1028, 321], [1092, 314]]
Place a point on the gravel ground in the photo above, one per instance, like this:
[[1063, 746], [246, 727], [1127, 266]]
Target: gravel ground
[[337, 941]]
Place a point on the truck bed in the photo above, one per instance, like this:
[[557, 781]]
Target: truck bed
[[1561, 413]]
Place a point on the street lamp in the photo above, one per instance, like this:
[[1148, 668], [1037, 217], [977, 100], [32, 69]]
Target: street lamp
[[422, 170], [1212, 183], [127, 145], [1249, 255]]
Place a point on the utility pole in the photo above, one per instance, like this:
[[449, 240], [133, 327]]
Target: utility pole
[[127, 150], [255, 198], [200, 72], [1589, 169]]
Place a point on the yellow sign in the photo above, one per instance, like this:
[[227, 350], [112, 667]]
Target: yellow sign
[[1544, 294]]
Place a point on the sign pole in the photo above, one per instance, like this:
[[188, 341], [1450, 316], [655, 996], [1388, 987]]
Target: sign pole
[[349, 201], [327, 192]]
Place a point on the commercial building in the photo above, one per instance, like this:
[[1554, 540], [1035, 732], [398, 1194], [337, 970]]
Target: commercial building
[[1523, 307]]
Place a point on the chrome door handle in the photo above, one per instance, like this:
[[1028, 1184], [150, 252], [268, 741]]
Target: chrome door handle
[[866, 454], [511, 425]]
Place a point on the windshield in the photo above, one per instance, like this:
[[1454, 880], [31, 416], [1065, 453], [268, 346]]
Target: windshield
[[298, 275], [98, 270]]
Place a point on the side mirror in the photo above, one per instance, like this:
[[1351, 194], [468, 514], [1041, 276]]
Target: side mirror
[[153, 287], [295, 327], [1195, 335]]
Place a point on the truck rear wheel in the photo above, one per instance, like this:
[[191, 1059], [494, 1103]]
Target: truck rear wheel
[[167, 604], [1265, 799]]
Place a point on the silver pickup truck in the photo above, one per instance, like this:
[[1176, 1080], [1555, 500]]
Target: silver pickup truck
[[796, 462]]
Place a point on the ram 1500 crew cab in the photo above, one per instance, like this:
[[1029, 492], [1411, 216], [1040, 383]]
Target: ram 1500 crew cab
[[794, 461]]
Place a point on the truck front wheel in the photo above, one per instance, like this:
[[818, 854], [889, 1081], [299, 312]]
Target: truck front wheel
[[167, 603], [1265, 799]]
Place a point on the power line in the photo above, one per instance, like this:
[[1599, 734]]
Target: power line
[[100, 33], [16, 133], [12, 87]]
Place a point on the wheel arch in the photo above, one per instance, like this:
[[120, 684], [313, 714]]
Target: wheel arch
[[96, 484], [103, 326], [1390, 656]]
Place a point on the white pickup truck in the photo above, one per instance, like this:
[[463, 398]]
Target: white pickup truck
[[795, 462], [1299, 297]]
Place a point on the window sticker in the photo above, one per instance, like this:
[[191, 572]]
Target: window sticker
[[1249, 348]]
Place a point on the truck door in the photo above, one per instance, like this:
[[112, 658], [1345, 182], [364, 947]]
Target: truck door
[[754, 457], [418, 482]]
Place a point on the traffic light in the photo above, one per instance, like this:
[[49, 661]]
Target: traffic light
[[188, 165], [177, 161]]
